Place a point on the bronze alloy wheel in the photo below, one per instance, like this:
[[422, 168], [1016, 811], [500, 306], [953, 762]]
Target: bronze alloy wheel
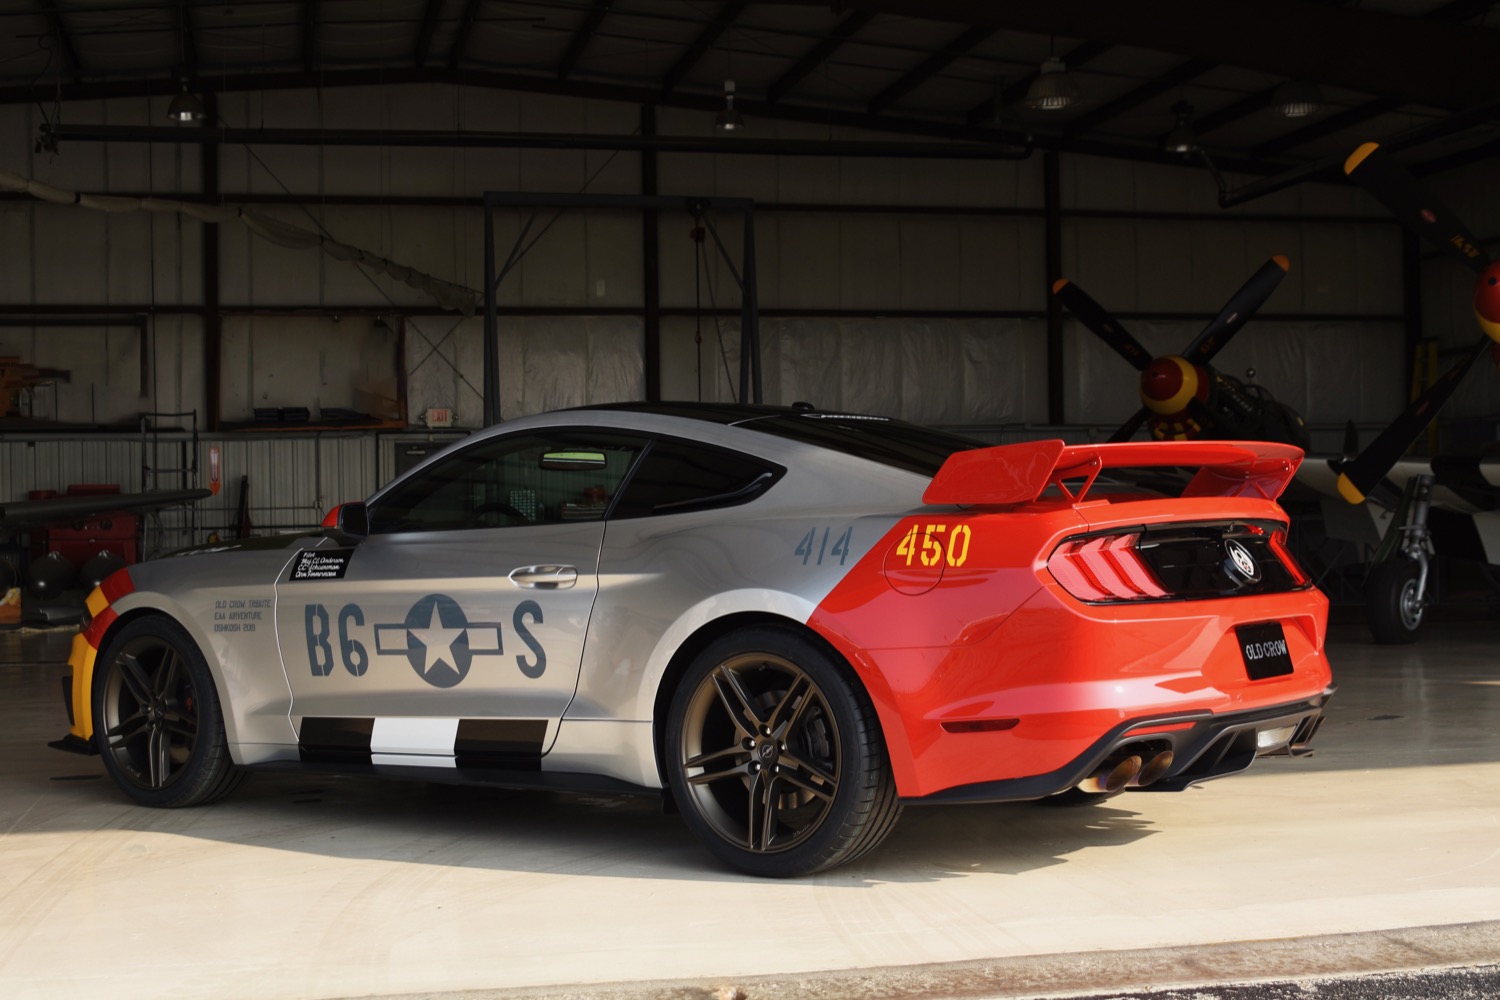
[[778, 761], [759, 750]]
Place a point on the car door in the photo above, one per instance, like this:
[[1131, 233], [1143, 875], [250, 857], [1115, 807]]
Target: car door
[[453, 633]]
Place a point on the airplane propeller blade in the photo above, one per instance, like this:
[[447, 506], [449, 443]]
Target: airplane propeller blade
[[1104, 326], [1398, 190], [1359, 477], [1128, 428], [1237, 311]]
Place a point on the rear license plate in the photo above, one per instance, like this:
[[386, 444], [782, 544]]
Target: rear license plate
[[1264, 650]]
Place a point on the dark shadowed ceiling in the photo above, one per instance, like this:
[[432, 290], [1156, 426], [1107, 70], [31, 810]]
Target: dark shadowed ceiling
[[938, 69]]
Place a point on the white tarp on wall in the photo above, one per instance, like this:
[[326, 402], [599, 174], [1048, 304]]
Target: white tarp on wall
[[927, 371]]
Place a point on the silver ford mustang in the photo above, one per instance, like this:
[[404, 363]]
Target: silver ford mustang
[[787, 622]]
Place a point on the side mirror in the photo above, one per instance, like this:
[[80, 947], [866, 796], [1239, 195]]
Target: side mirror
[[354, 519]]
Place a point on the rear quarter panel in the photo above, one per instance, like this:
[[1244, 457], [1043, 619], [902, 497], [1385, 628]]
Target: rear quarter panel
[[997, 637]]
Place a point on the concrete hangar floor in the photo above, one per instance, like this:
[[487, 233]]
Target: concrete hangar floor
[[1382, 852]]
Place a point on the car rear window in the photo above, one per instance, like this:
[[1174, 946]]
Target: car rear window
[[900, 445], [678, 476]]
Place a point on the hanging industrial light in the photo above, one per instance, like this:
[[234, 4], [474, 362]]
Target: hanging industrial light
[[1054, 88], [1182, 139], [1297, 99], [186, 106], [729, 119]]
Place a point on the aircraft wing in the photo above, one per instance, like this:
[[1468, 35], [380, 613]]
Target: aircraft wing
[[1465, 515], [25, 513]]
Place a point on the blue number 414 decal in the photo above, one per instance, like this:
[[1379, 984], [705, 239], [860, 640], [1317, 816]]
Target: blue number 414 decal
[[816, 544]]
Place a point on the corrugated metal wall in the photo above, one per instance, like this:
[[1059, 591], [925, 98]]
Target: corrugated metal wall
[[1342, 355], [292, 480]]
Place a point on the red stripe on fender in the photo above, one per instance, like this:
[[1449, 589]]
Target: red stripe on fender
[[100, 624], [117, 585]]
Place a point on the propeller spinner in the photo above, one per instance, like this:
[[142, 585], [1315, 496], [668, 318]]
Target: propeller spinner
[[1399, 191]]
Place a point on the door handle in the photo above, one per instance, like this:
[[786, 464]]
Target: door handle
[[544, 577]]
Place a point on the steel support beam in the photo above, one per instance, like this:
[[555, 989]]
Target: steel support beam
[[1052, 271], [928, 68], [648, 205], [651, 262], [1330, 167], [1148, 91], [1415, 60], [213, 321], [818, 54], [461, 38], [310, 52], [700, 45], [525, 140], [396, 76], [425, 32], [586, 31], [1462, 158], [187, 40]]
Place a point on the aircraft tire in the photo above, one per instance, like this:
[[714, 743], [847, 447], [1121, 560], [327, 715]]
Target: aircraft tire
[[1393, 606]]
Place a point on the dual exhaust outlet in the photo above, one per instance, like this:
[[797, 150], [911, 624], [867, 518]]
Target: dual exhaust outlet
[[1134, 770]]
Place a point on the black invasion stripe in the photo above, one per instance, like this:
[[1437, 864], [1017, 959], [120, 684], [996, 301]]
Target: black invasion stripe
[[1455, 535], [335, 739], [1461, 475], [509, 743]]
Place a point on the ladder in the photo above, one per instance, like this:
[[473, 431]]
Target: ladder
[[169, 464]]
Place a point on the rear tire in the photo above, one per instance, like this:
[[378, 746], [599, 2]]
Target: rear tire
[[1393, 607], [157, 720], [775, 756]]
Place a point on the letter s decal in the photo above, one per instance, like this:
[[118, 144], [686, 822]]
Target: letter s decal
[[532, 669]]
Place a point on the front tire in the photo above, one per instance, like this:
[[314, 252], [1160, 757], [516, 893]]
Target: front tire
[[775, 757], [1393, 606], [157, 720]]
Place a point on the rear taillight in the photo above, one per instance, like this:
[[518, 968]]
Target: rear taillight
[[1178, 561], [1104, 568], [1278, 546]]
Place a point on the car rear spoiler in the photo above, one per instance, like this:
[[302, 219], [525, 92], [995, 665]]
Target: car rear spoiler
[[1019, 473]]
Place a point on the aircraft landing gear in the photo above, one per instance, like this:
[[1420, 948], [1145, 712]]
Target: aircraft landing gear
[[1396, 591]]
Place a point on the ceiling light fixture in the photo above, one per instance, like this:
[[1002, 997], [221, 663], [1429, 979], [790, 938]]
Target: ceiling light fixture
[[729, 120], [1297, 99], [186, 107], [1182, 139], [1054, 88]]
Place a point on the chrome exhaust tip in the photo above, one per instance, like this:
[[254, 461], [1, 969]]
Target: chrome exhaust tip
[[1112, 776], [1155, 769]]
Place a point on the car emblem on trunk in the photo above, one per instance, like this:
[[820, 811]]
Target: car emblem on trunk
[[1241, 559]]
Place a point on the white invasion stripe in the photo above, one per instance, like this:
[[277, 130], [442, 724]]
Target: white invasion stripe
[[398, 632], [423, 736], [1488, 526], [412, 759], [484, 640]]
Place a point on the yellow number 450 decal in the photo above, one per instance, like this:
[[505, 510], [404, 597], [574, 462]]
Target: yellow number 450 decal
[[925, 545]]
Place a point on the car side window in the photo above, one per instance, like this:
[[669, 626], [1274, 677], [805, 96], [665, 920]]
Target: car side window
[[514, 480], [676, 476]]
